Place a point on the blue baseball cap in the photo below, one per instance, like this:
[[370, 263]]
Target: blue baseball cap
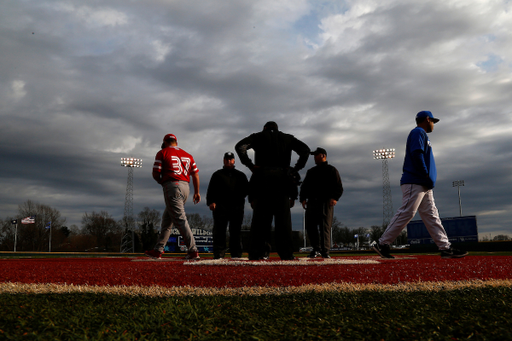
[[425, 114]]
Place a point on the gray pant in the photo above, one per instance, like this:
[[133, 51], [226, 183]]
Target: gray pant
[[417, 198], [319, 216], [175, 195]]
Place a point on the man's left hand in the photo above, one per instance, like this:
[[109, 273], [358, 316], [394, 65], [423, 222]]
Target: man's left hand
[[197, 198], [332, 202]]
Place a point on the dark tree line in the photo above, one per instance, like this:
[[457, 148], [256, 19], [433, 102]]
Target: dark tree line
[[99, 231]]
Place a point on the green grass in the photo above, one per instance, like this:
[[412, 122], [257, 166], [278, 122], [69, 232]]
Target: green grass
[[476, 314], [43, 255]]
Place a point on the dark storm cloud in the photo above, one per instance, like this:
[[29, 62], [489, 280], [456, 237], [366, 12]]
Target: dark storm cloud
[[85, 83]]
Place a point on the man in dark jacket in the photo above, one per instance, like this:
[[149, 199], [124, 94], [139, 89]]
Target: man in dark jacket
[[270, 193], [225, 196], [319, 193]]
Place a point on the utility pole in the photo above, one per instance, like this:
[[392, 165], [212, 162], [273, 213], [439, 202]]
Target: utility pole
[[457, 184]]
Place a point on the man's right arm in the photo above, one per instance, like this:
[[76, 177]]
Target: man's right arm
[[241, 149], [157, 168], [304, 190], [303, 151], [195, 183], [211, 192]]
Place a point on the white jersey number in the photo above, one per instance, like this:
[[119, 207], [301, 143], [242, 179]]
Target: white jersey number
[[180, 166]]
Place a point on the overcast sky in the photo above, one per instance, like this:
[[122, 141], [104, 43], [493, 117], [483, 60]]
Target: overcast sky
[[84, 83]]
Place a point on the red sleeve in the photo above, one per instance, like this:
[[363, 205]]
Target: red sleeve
[[157, 166]]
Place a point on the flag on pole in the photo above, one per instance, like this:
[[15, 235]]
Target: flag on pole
[[14, 221], [29, 220], [48, 225]]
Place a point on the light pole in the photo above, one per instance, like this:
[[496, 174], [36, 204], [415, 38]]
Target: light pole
[[129, 163], [15, 223], [387, 202], [457, 184], [304, 226]]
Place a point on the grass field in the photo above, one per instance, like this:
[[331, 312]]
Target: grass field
[[476, 314], [478, 310]]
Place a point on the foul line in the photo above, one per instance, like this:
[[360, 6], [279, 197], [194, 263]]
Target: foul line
[[157, 291]]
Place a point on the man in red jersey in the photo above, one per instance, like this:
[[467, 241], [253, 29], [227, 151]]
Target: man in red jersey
[[173, 169]]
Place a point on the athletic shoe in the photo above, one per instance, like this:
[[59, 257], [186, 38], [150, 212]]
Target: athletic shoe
[[154, 254], [453, 253], [325, 255], [259, 257], [382, 250], [192, 255], [314, 254]]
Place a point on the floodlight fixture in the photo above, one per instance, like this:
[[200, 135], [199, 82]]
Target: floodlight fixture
[[131, 162], [382, 154], [458, 184]]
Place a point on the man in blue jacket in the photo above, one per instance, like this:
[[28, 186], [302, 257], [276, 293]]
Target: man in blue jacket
[[418, 180]]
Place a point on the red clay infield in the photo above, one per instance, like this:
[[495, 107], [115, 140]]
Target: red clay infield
[[176, 273]]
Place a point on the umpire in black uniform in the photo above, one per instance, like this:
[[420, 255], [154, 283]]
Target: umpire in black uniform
[[225, 196], [319, 193], [270, 193]]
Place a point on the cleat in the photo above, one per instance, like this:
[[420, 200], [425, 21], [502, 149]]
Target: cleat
[[325, 255], [382, 250], [155, 254], [453, 253], [192, 255], [314, 254]]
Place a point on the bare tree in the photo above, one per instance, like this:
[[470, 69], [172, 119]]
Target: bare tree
[[197, 221], [103, 227], [6, 234], [341, 234], [376, 232], [35, 237], [148, 221], [501, 237]]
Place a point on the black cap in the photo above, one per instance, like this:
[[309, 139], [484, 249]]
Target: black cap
[[319, 151], [271, 125], [229, 155]]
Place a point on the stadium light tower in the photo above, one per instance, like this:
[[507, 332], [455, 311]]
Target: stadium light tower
[[457, 184], [387, 208], [128, 239]]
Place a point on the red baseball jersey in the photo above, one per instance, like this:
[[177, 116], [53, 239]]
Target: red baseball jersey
[[174, 164]]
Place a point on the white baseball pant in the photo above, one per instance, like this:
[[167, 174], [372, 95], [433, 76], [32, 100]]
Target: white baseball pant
[[421, 199]]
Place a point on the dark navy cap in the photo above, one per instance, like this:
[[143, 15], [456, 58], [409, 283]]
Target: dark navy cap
[[425, 114]]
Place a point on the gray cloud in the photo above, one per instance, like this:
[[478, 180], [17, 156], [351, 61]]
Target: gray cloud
[[85, 83]]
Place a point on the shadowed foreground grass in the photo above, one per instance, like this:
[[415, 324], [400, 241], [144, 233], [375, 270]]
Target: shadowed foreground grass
[[467, 313]]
